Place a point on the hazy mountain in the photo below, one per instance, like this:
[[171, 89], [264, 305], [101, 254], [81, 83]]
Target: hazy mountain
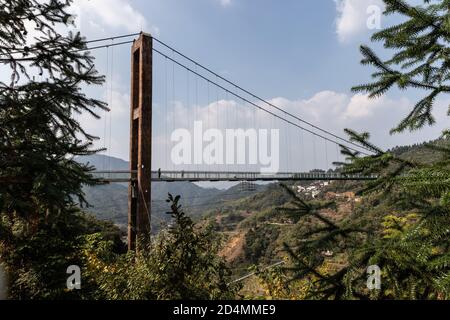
[[110, 202], [104, 163]]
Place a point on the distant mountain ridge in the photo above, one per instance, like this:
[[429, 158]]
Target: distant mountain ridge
[[110, 202], [104, 163]]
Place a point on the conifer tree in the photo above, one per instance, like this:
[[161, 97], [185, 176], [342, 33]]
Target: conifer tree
[[421, 58], [40, 93], [41, 76], [412, 247]]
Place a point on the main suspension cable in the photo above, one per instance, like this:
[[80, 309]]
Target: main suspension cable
[[259, 98], [23, 50], [252, 103]]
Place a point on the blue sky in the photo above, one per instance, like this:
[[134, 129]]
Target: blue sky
[[289, 48], [302, 55]]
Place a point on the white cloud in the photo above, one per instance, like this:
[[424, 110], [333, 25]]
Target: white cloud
[[117, 120], [93, 17], [111, 14], [361, 106], [355, 17], [328, 109]]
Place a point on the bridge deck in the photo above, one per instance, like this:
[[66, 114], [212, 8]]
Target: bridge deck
[[200, 176]]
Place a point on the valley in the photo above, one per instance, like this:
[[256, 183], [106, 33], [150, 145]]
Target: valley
[[254, 231]]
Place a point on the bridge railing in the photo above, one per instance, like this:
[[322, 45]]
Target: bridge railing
[[115, 176], [126, 176], [252, 176]]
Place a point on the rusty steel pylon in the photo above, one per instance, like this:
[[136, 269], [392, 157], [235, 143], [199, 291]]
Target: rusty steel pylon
[[139, 191]]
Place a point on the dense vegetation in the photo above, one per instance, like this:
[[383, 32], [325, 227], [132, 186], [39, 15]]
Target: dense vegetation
[[181, 263], [39, 137], [42, 229], [409, 241]]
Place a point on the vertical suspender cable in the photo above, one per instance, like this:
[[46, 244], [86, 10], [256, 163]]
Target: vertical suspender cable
[[112, 104], [289, 146], [208, 109], [337, 153], [166, 137], [302, 151], [105, 114], [255, 126], [217, 116], [196, 101], [173, 102], [227, 124], [188, 104], [314, 153]]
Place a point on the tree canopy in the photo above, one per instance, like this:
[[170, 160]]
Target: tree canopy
[[39, 135], [409, 238]]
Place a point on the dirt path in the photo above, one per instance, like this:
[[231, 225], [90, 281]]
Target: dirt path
[[234, 248]]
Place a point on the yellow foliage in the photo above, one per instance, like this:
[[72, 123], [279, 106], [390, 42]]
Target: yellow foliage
[[278, 285], [396, 226]]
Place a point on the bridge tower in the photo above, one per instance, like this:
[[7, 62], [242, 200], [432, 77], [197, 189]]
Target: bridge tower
[[139, 191]]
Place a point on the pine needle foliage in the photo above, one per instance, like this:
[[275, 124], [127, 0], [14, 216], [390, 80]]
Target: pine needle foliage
[[42, 73], [39, 133], [420, 60], [411, 244], [182, 262]]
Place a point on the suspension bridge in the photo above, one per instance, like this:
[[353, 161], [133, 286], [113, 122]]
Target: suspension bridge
[[180, 91], [231, 176]]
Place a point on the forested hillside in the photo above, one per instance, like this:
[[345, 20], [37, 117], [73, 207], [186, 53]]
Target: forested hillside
[[110, 201], [257, 232]]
